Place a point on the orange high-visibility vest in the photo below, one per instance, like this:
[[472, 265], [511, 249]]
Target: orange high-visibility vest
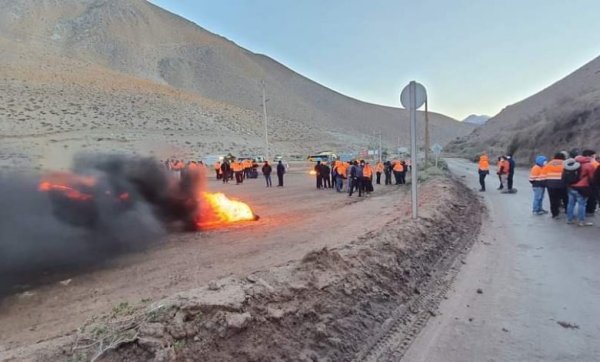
[[536, 174], [379, 167], [553, 170], [484, 163], [367, 171], [398, 166]]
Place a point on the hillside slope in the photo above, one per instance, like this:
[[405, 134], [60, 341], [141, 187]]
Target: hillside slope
[[563, 116], [142, 42]]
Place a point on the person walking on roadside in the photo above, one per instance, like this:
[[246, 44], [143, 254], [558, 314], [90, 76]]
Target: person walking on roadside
[[378, 172], [577, 174], [557, 191], [484, 170], [266, 170], [537, 179], [280, 173]]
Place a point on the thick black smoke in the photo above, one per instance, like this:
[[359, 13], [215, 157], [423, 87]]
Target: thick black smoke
[[132, 203]]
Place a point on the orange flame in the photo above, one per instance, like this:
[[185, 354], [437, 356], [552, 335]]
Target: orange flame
[[66, 182], [312, 172], [220, 211]]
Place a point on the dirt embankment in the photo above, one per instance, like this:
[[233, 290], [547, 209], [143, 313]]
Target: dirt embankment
[[333, 305]]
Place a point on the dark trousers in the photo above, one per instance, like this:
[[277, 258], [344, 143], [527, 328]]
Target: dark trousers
[[403, 177], [355, 183], [388, 178], [319, 182], [327, 182], [501, 184], [482, 175], [510, 181], [378, 174], [558, 198], [592, 203], [397, 176], [280, 179], [239, 177], [218, 174], [268, 180]]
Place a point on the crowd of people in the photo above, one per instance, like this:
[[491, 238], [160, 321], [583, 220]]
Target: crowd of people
[[352, 177], [572, 180], [357, 176]]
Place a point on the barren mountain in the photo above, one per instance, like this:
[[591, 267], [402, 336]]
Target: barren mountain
[[128, 75], [476, 119], [564, 116]]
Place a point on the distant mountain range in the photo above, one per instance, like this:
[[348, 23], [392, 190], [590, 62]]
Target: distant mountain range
[[476, 119], [563, 116]]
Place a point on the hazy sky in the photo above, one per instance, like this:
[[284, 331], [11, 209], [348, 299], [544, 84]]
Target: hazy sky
[[473, 56]]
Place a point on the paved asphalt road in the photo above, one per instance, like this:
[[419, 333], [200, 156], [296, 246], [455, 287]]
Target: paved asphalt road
[[540, 284]]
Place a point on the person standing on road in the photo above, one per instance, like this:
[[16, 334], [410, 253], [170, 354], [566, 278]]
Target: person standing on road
[[498, 168], [503, 172], [318, 175], [387, 170], [398, 168], [266, 170], [280, 173], [579, 169], [326, 174], [537, 179], [368, 178], [378, 172], [355, 174], [511, 173], [484, 170], [557, 191], [592, 201]]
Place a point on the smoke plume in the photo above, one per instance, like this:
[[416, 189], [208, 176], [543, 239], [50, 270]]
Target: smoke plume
[[129, 206]]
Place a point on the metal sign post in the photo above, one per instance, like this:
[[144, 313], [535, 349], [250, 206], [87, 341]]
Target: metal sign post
[[413, 96]]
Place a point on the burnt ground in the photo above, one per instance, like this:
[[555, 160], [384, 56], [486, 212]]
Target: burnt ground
[[322, 278]]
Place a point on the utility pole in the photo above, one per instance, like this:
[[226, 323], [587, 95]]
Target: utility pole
[[379, 145], [426, 134], [264, 104]]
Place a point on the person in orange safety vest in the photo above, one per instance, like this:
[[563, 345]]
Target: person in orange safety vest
[[557, 190], [378, 171], [537, 179], [484, 170]]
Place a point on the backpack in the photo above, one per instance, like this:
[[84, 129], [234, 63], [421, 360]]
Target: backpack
[[571, 175]]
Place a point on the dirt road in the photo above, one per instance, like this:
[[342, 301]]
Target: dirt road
[[294, 220], [538, 282]]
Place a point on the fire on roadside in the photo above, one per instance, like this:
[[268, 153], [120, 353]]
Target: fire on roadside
[[312, 172], [219, 211], [78, 194]]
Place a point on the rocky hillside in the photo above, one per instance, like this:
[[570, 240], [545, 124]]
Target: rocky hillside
[[563, 116], [86, 66]]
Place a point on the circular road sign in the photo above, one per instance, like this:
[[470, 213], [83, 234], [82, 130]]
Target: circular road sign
[[421, 95]]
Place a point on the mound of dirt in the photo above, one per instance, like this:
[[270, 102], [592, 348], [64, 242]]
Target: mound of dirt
[[333, 305]]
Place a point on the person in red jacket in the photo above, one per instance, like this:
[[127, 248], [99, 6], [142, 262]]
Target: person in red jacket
[[579, 191]]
